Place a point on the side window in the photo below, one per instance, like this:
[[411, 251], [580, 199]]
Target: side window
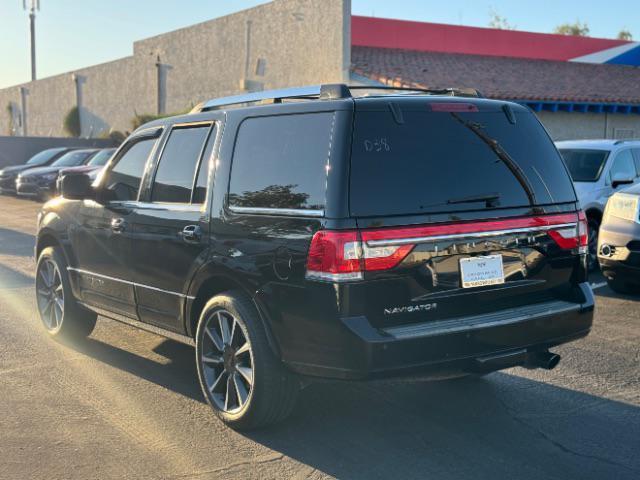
[[623, 166], [280, 162], [174, 179], [124, 179], [202, 179], [636, 158]]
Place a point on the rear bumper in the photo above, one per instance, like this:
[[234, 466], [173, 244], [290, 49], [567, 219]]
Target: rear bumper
[[621, 270], [455, 345], [623, 261]]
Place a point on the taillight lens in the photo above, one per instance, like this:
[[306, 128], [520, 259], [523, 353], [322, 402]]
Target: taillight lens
[[574, 236], [583, 232], [341, 256], [335, 256]]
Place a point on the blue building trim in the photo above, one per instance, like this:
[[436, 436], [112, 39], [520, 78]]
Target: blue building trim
[[582, 107]]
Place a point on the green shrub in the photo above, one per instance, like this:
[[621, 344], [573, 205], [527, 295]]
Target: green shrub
[[116, 136], [71, 123], [142, 118], [10, 122]]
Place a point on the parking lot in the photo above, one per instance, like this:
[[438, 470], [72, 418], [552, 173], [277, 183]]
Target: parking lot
[[126, 403]]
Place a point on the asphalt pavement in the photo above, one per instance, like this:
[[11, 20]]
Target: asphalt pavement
[[126, 404]]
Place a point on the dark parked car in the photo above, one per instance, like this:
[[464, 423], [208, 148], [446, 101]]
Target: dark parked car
[[41, 182], [42, 159], [322, 235], [91, 168], [619, 241]]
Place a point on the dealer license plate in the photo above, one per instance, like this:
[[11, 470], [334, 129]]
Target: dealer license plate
[[481, 271]]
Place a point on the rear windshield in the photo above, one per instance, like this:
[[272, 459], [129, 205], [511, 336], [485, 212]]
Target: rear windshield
[[44, 156], [101, 158], [72, 159], [452, 161], [584, 165]]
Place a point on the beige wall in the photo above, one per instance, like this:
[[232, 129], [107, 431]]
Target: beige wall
[[298, 41], [575, 126]]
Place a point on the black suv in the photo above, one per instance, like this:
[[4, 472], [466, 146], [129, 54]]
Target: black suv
[[320, 234]]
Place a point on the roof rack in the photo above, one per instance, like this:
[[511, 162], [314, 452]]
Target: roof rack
[[323, 92], [454, 92], [328, 91]]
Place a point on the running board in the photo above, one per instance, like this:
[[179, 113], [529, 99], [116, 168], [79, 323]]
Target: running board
[[141, 325], [492, 319]]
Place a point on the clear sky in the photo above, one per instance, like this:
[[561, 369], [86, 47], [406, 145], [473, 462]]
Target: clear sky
[[74, 33]]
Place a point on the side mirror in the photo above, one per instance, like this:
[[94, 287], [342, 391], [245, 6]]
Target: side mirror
[[620, 179], [76, 186]]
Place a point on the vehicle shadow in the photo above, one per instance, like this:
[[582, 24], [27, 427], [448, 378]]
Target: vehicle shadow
[[16, 243], [178, 374], [501, 426], [607, 292], [10, 278]]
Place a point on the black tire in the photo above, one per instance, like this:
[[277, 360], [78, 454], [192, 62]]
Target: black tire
[[273, 392], [73, 321], [622, 287], [594, 228]]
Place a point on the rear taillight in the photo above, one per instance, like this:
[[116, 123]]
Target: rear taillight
[[573, 235], [341, 256], [583, 232], [346, 254]]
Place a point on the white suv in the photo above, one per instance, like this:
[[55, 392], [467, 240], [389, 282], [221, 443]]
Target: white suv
[[600, 168]]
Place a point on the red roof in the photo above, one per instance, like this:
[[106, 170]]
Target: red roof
[[501, 77], [436, 37]]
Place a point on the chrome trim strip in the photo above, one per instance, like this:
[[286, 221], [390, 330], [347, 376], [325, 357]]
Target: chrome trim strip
[[461, 236], [486, 320], [333, 277], [172, 207], [107, 277], [278, 211], [141, 325]]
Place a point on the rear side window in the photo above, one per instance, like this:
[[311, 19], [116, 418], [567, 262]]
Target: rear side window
[[280, 162], [584, 165], [124, 179], [175, 177], [636, 158], [623, 166], [452, 161]]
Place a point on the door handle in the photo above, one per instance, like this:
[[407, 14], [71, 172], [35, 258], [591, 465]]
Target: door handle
[[118, 225], [191, 233]]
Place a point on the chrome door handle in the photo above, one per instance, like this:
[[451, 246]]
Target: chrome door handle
[[191, 233], [118, 225]]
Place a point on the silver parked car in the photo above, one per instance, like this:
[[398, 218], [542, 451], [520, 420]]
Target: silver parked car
[[619, 243], [600, 168]]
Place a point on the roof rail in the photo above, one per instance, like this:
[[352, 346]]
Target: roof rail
[[328, 91], [618, 142], [454, 92], [322, 92]]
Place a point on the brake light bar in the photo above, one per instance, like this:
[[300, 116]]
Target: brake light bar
[[453, 107], [345, 255]]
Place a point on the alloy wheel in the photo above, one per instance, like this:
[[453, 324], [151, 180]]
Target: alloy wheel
[[227, 361], [50, 295]]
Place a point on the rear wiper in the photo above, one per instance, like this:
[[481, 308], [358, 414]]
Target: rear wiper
[[489, 199], [502, 154]]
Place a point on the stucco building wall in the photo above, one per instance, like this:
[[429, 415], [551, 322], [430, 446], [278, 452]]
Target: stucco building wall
[[280, 44], [575, 125]]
